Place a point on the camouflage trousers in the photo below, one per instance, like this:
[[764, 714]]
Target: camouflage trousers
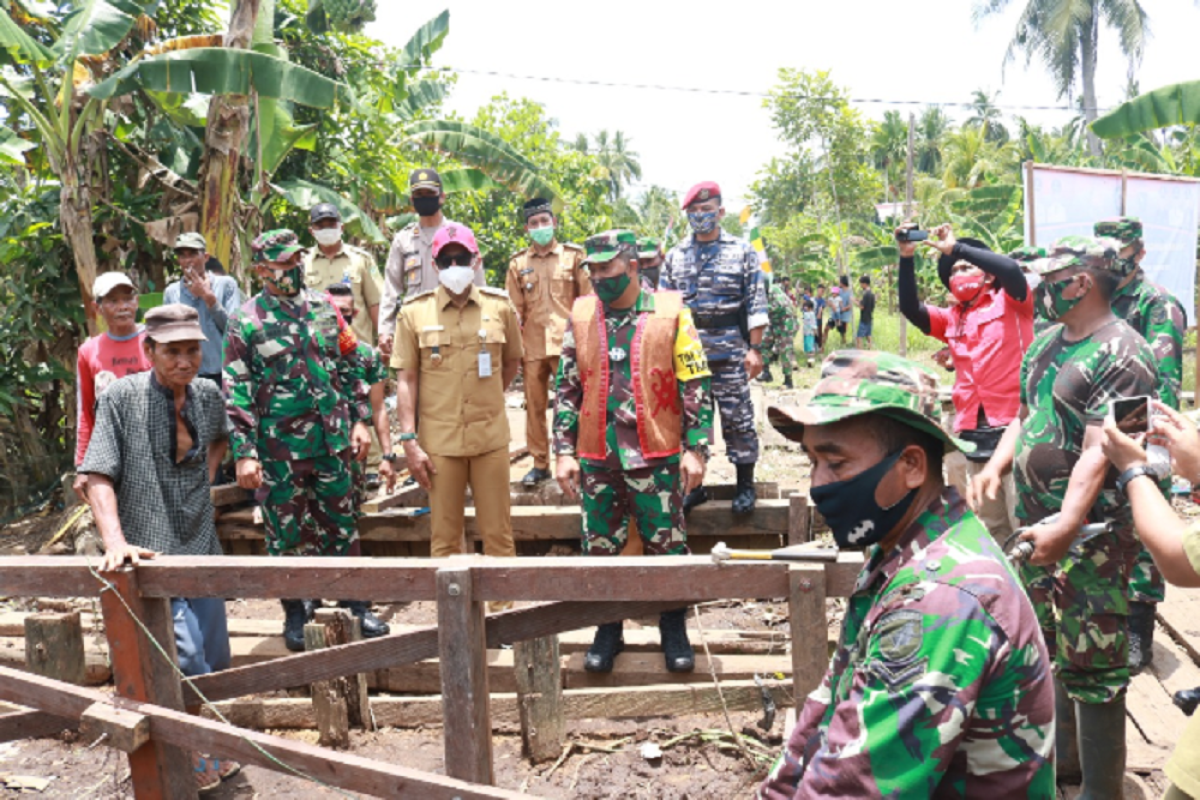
[[1146, 584], [1082, 606], [308, 507], [780, 348], [731, 391], [653, 496]]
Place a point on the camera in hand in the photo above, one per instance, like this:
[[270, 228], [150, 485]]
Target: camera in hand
[[912, 235]]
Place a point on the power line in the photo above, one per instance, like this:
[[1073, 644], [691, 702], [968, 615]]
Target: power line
[[749, 93]]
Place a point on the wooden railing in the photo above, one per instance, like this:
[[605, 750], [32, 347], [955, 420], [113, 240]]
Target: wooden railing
[[148, 720]]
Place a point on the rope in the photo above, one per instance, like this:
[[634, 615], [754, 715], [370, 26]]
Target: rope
[[109, 587]]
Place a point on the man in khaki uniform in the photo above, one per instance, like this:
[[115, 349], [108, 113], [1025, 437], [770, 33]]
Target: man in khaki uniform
[[543, 281], [457, 348], [410, 269], [333, 261]]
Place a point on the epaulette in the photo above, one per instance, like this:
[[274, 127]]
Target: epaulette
[[519, 253], [492, 290], [573, 246], [417, 296]]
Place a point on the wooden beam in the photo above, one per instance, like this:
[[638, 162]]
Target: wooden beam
[[659, 700], [228, 494], [537, 671], [31, 724], [400, 649], [343, 770], [328, 697], [799, 518], [141, 640], [809, 628], [54, 646], [342, 627], [121, 728], [47, 576], [462, 648], [648, 669]]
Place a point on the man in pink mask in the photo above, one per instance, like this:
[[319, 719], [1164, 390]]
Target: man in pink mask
[[988, 329]]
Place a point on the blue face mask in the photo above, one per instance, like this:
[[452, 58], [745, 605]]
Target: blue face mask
[[849, 507], [702, 222]]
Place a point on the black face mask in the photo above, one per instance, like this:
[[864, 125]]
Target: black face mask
[[849, 507], [427, 206]]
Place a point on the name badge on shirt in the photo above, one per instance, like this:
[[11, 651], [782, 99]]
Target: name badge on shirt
[[485, 364]]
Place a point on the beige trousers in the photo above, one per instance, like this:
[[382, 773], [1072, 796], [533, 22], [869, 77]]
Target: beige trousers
[[487, 475]]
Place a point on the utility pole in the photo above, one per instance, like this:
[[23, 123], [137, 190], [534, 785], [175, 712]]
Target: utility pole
[[908, 204]]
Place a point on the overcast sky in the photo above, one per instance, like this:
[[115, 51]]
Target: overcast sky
[[923, 50]]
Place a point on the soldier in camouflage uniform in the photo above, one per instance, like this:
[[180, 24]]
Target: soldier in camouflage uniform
[[299, 415], [721, 282], [939, 684], [633, 406], [1159, 317], [779, 342], [1069, 376], [1025, 256], [650, 261]]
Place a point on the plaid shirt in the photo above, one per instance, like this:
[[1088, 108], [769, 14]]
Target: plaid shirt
[[163, 506]]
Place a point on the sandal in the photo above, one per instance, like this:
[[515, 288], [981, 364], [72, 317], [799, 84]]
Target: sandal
[[206, 779], [226, 768]]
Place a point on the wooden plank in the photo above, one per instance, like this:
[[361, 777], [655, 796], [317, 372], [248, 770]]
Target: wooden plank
[[462, 648], [661, 700], [54, 646], [1181, 616], [228, 494], [1172, 665], [342, 627], [1150, 707], [799, 518], [416, 496], [181, 730], [328, 697], [97, 670], [809, 629], [537, 671], [144, 672], [31, 724], [121, 728], [47, 576], [641, 669]]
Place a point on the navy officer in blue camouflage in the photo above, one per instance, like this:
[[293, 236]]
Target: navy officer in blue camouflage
[[721, 282]]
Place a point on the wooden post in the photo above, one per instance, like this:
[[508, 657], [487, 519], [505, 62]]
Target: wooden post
[[538, 673], [799, 519], [1030, 216], [328, 697], [342, 627], [141, 672], [462, 649], [810, 637], [54, 646], [908, 202]]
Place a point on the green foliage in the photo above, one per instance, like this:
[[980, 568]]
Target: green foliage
[[1177, 104]]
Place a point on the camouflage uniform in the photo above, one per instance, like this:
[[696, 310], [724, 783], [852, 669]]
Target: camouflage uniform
[[1026, 256], [627, 482], [720, 281], [939, 686], [1160, 318], [779, 340], [1082, 600], [292, 372], [370, 370]]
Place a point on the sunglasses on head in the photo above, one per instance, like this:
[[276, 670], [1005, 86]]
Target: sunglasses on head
[[456, 260]]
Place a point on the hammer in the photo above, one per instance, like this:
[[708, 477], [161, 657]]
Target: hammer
[[799, 552]]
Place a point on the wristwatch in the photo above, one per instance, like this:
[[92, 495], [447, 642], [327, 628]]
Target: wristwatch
[[389, 457], [1131, 473], [757, 347], [406, 437]]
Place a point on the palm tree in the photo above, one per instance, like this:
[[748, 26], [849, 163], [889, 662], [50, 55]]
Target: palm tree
[[971, 160], [1064, 35], [618, 160], [987, 115], [580, 143], [889, 144], [932, 127]]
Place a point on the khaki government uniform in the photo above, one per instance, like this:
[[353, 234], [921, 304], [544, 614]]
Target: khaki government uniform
[[410, 271], [543, 288], [356, 267], [462, 422]]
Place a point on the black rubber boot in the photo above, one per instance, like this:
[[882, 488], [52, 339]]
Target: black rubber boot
[[1066, 743], [295, 614], [1187, 700], [677, 650], [1141, 635], [765, 376], [695, 497], [1102, 749], [534, 477], [787, 381], [744, 495], [608, 642], [371, 625]]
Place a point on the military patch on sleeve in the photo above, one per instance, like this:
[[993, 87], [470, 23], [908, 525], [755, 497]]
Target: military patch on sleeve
[[899, 635]]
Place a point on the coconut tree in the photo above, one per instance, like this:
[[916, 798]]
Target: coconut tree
[[971, 160], [889, 146], [618, 160], [1064, 35], [932, 126], [987, 115]]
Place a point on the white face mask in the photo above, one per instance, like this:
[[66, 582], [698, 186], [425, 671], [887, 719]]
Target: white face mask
[[328, 236], [456, 279]]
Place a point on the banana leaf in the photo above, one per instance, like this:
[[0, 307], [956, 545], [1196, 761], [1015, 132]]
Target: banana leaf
[[1177, 104], [220, 70], [420, 48], [407, 102], [467, 179], [306, 194], [280, 134], [95, 27], [13, 147], [18, 47], [484, 150]]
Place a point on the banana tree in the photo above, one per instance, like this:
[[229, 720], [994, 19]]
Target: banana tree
[[1177, 105], [44, 84]]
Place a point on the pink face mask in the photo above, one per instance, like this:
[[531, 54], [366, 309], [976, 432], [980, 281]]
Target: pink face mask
[[966, 286]]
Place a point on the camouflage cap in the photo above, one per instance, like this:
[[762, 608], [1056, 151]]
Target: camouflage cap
[[1027, 255], [608, 245], [1080, 251], [275, 245], [648, 247], [1125, 230], [857, 382]]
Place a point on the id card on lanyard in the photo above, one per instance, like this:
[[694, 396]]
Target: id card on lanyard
[[485, 358]]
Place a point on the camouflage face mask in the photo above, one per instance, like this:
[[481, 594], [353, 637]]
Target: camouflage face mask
[[1049, 300]]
